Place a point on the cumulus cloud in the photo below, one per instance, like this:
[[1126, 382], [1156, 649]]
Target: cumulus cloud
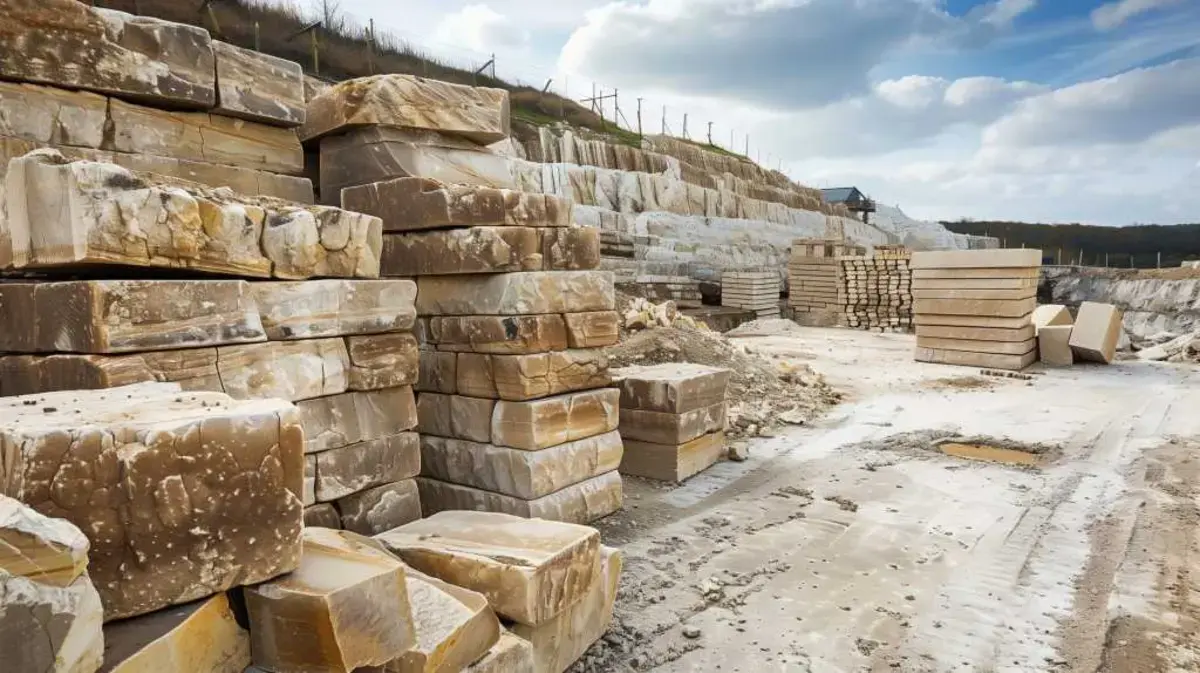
[[480, 28], [1004, 12], [1113, 14]]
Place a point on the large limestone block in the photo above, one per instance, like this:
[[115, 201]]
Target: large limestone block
[[146, 472], [516, 293], [500, 334], [259, 87], [341, 420], [580, 503], [571, 249], [510, 654], [49, 116], [73, 45], [323, 515], [475, 113], [961, 320], [383, 361], [358, 467], [191, 369], [594, 329], [415, 204], [672, 462], [977, 259], [970, 276], [456, 416], [50, 614], [1054, 346], [529, 570], [455, 251], [345, 606], [115, 316], [199, 636], [562, 640], [974, 283], [522, 474], [998, 347], [290, 370], [1096, 332], [976, 333], [381, 508], [438, 372], [673, 387], [974, 359], [526, 377], [662, 427], [975, 293], [550, 421], [324, 308], [248, 181], [1051, 314], [1000, 308]]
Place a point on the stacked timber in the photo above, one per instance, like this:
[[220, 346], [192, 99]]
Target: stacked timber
[[756, 291], [875, 292], [975, 307], [813, 280]]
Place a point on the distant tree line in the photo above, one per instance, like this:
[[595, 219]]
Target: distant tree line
[[1137, 246]]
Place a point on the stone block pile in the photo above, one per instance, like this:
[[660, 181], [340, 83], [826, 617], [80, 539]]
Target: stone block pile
[[875, 291], [813, 280], [683, 290], [1090, 336], [756, 291]]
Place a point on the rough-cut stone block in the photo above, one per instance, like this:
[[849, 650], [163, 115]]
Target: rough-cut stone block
[[73, 45], [345, 606], [324, 308], [516, 293], [50, 614], [290, 370], [571, 249], [976, 275], [341, 420], [381, 508], [192, 369], [383, 361], [355, 468], [1097, 330], [146, 471], [990, 322], [248, 181], [550, 421], [309, 495], [1000, 308], [48, 116], [977, 259], [526, 377], [475, 113], [456, 251], [673, 387], [115, 316], [595, 329], [672, 462], [580, 503], [414, 204], [199, 636], [500, 334], [976, 333], [522, 474], [322, 515], [529, 570], [259, 87], [510, 654], [975, 293], [438, 372], [455, 416], [1051, 314], [661, 427], [997, 347], [972, 359], [1054, 345]]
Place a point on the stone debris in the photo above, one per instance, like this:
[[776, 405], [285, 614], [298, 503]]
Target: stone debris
[[875, 291], [1096, 332], [642, 314], [757, 291], [200, 636]]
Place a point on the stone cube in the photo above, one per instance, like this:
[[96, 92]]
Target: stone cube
[[672, 462], [1096, 333], [582, 503], [1054, 345], [1051, 314], [341, 420], [666, 428], [550, 421], [525, 377], [357, 467], [672, 388]]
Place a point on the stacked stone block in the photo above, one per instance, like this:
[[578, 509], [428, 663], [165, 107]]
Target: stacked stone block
[[813, 280], [682, 290], [756, 291], [875, 291]]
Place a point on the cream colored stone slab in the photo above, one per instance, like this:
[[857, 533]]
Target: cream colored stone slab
[[438, 372], [580, 503], [672, 462], [1051, 314], [499, 334], [345, 606], [259, 87], [1054, 346], [990, 322], [550, 421], [163, 528], [997, 347], [322, 515], [324, 308], [415, 204], [516, 293], [571, 249], [521, 474], [192, 369], [529, 570], [526, 377], [199, 636], [972, 359], [289, 370], [975, 293], [974, 275], [383, 361], [594, 329], [977, 259], [123, 316], [975, 283], [381, 508], [358, 467], [976, 333], [48, 116], [510, 654], [458, 251], [475, 113], [1000, 308], [341, 420], [673, 388], [661, 427], [1097, 330]]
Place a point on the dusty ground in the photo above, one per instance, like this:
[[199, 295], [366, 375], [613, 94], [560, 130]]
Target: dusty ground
[[854, 544]]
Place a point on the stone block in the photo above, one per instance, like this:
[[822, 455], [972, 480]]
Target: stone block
[[1051, 314], [594, 329], [571, 249], [529, 570], [672, 462], [324, 308], [309, 495], [345, 606], [550, 421], [120, 316], [1054, 345], [580, 503], [988, 322], [289, 370], [975, 283], [973, 359], [1097, 330], [383, 361], [516, 293], [415, 204], [456, 416], [247, 181], [997, 347], [259, 87], [341, 420], [976, 275], [673, 388], [145, 472], [662, 427], [975, 293], [457, 251], [526, 377], [322, 515], [500, 334], [522, 474], [199, 636], [477, 114], [381, 508], [977, 259], [510, 654], [358, 467], [976, 333], [192, 369], [438, 372], [1000, 308]]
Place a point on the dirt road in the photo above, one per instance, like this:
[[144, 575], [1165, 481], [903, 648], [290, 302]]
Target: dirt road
[[857, 545]]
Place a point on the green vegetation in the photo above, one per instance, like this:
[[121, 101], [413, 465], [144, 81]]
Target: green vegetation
[[1137, 246]]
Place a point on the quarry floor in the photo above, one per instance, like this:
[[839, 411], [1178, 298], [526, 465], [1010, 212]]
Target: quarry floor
[[856, 545]]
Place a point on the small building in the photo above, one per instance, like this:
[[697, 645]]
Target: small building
[[852, 198]]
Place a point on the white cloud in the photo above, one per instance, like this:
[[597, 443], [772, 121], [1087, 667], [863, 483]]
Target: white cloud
[[1004, 12], [1113, 14], [480, 28]]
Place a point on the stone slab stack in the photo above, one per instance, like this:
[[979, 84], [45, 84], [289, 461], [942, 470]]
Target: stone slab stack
[[974, 308], [875, 291], [813, 280], [672, 419], [682, 290], [756, 291]]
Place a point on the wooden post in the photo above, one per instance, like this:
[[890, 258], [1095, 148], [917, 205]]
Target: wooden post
[[639, 117], [316, 52], [1106, 260], [371, 47], [257, 37], [600, 102], [685, 135], [1058, 258], [710, 142], [1160, 259], [747, 155], [664, 121]]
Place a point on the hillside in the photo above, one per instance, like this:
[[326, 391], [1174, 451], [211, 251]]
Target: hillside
[[1136, 246]]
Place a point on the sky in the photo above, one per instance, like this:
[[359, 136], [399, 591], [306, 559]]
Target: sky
[[1036, 110]]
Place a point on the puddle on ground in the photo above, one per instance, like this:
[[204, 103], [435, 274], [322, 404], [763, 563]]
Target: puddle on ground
[[990, 454]]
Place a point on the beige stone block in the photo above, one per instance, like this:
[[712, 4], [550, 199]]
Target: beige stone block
[[674, 387], [550, 421], [477, 114], [145, 472], [975, 283], [516, 293], [973, 359], [571, 249], [510, 654], [594, 329], [322, 515], [975, 293], [457, 251], [381, 508], [309, 495], [289, 370], [358, 467], [192, 369], [433, 415], [1000, 308], [526, 377], [247, 181], [975, 275], [976, 333], [500, 334], [48, 116], [997, 347], [199, 636], [521, 474], [438, 372], [988, 322], [75, 46], [106, 316], [1097, 330], [383, 361], [324, 308], [580, 503], [456, 416], [1051, 314], [341, 420], [977, 259], [529, 570], [259, 87], [662, 427], [672, 462], [1054, 345], [415, 204], [345, 606]]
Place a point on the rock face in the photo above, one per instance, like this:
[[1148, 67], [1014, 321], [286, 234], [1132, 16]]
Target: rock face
[[341, 420], [345, 606], [351, 469], [416, 204], [383, 361], [259, 87], [50, 614], [550, 421], [325, 308], [145, 472], [474, 113], [199, 636], [382, 508], [516, 293], [526, 377], [510, 654], [672, 388], [580, 503]]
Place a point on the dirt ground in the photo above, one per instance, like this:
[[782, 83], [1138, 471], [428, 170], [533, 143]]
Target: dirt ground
[[855, 544]]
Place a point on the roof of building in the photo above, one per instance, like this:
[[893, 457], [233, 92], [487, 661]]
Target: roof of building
[[840, 194]]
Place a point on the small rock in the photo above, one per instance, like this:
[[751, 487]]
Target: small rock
[[691, 632], [739, 452]]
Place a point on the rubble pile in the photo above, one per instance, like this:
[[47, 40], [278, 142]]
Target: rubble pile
[[813, 284], [638, 314], [756, 291], [875, 291]]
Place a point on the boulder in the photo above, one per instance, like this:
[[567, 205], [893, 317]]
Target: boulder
[[550, 421], [672, 388], [259, 87], [1096, 332], [358, 467], [526, 377], [199, 636], [341, 420], [383, 361], [580, 503], [323, 308], [381, 508], [416, 204], [516, 293]]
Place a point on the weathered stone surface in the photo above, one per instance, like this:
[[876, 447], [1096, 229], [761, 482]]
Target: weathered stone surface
[[341, 420], [50, 614], [977, 259], [145, 472], [976, 333], [381, 508], [322, 515], [559, 642], [990, 322], [1000, 308], [500, 334], [973, 359], [199, 636], [510, 654], [580, 503], [1096, 332], [672, 462], [525, 377], [475, 113], [673, 387], [571, 249], [324, 308], [290, 370], [309, 495], [998, 347], [438, 372], [114, 316], [72, 45], [521, 474], [455, 251], [383, 361], [550, 421], [414, 204], [529, 570], [1051, 314], [259, 87], [516, 293], [48, 116], [345, 606], [662, 427], [192, 369], [358, 467], [594, 329], [1054, 345], [455, 416]]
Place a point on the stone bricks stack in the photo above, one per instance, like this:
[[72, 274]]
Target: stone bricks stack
[[975, 307], [682, 290], [756, 291], [875, 292], [813, 280]]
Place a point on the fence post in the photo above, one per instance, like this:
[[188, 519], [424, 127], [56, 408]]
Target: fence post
[[1160, 259], [371, 48], [640, 118], [685, 135], [257, 38], [1058, 258], [710, 142], [316, 52]]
